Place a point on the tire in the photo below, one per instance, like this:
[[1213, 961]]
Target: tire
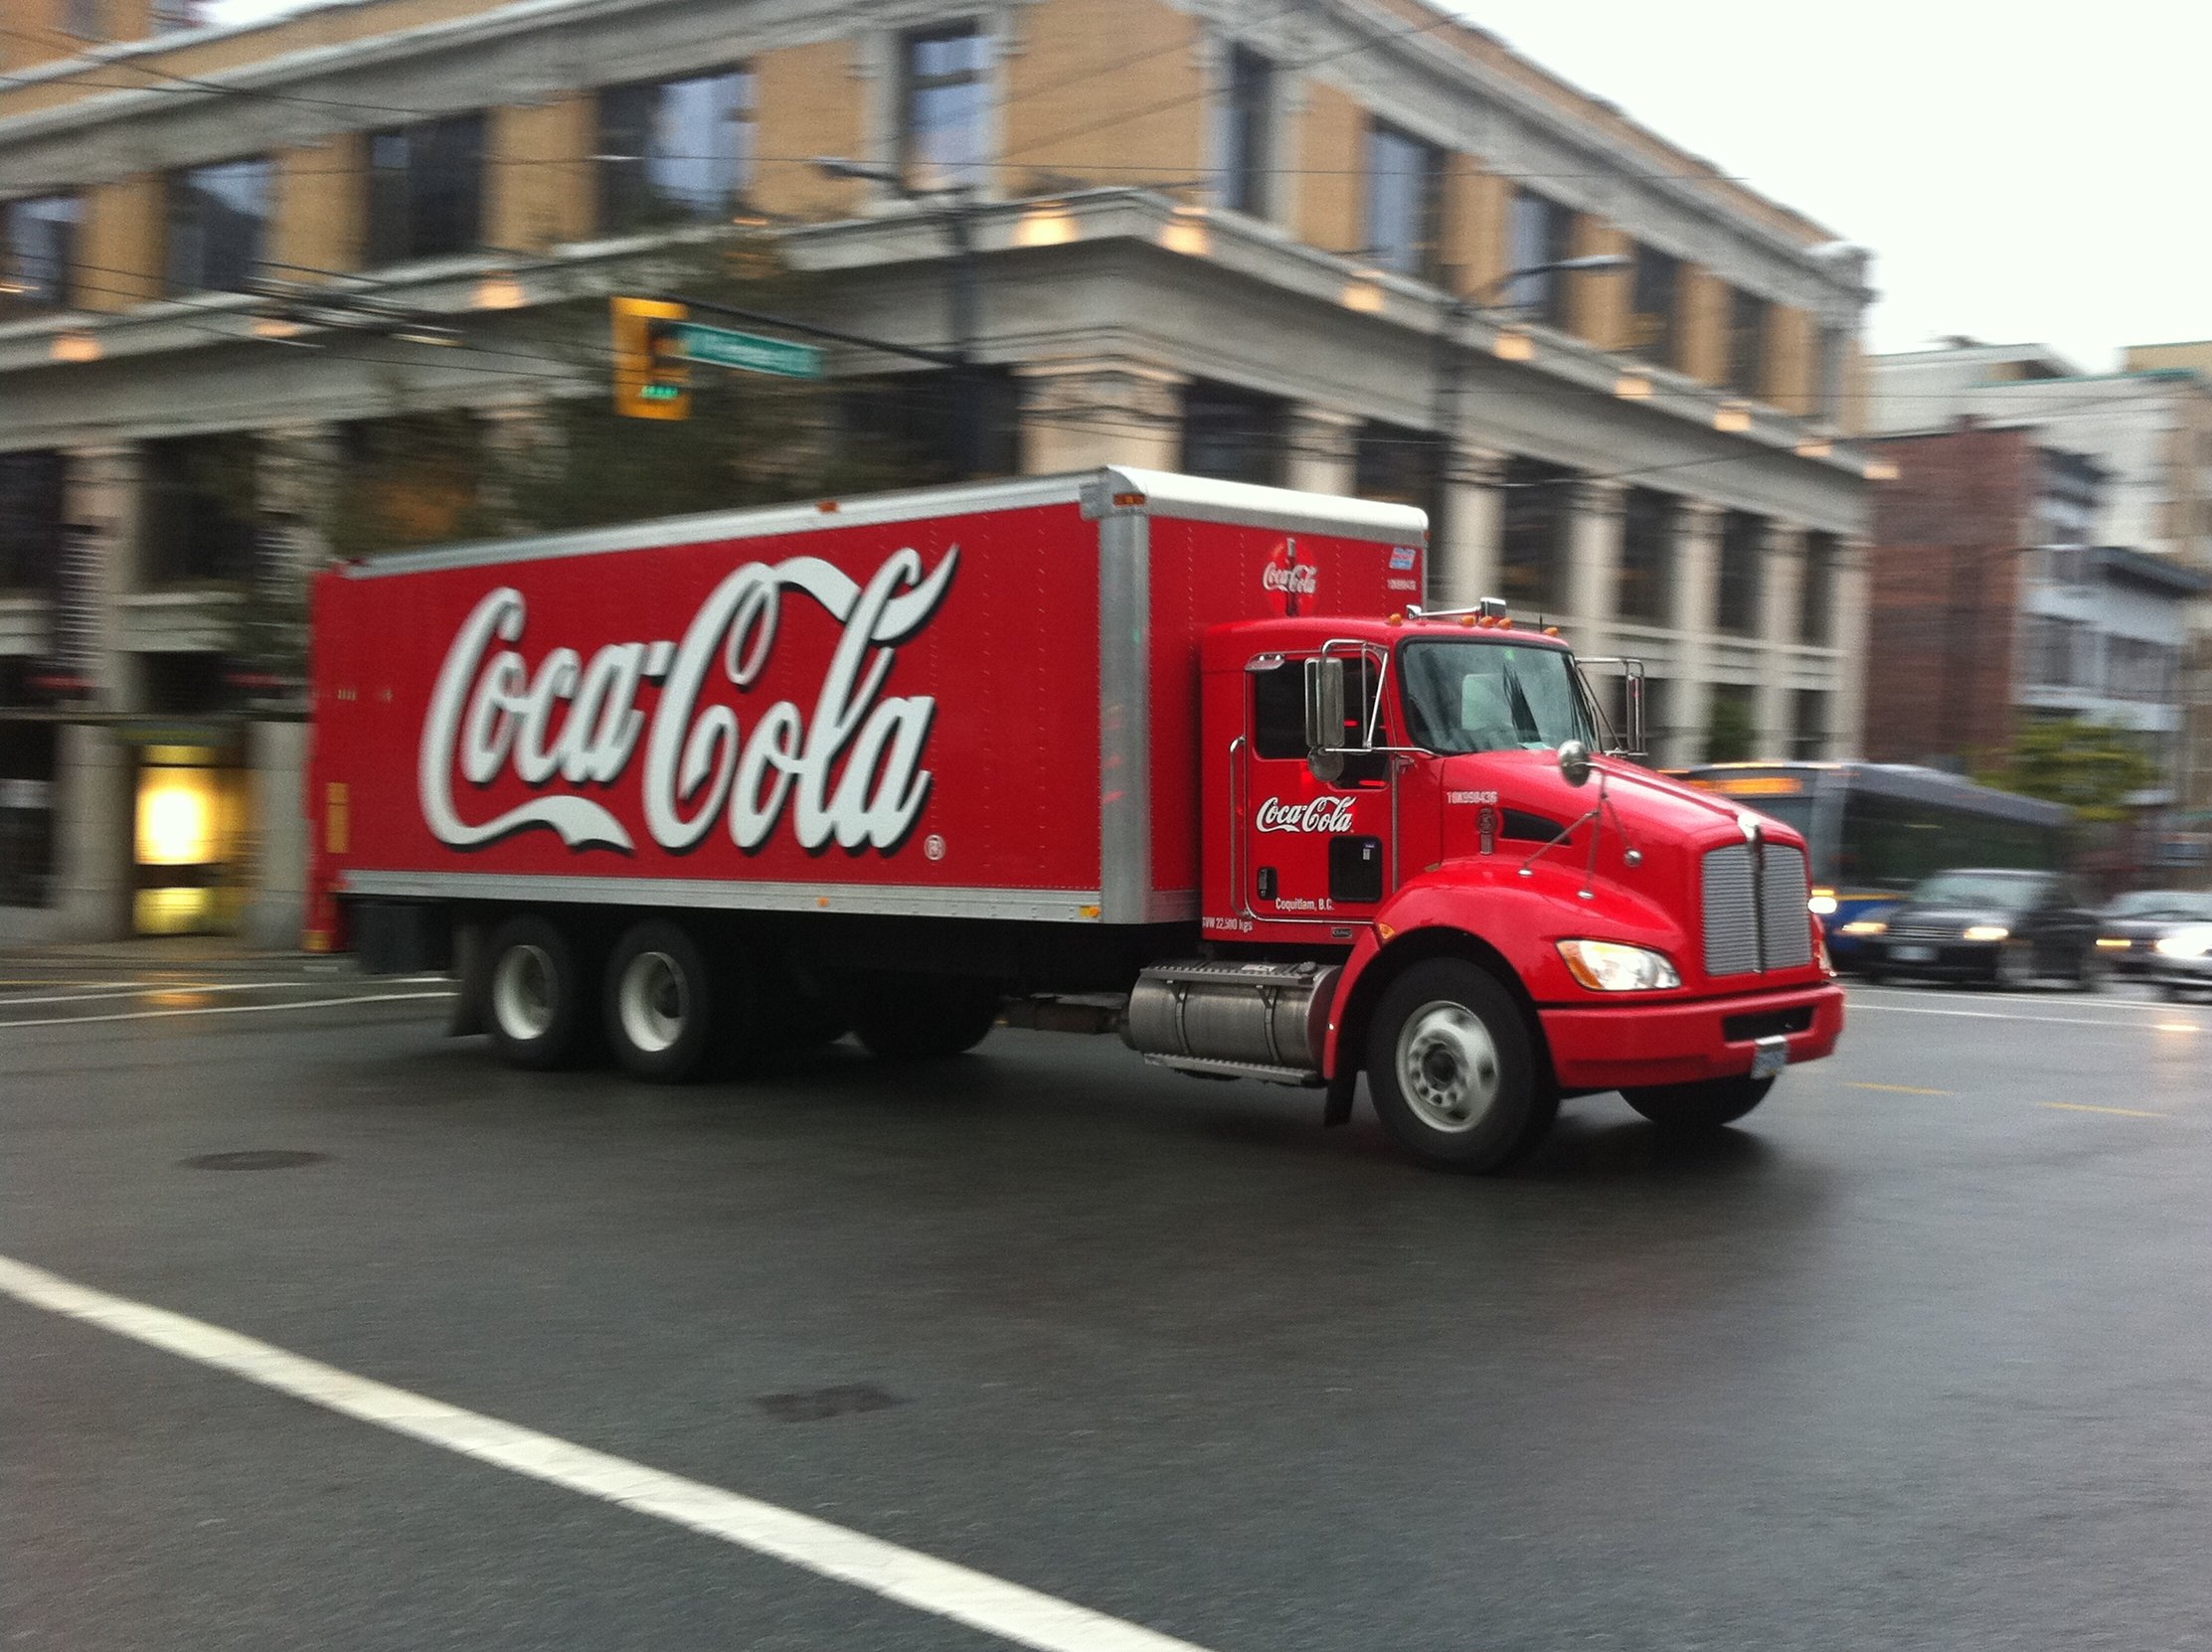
[[537, 995], [1700, 1108], [2012, 969], [923, 1017], [1452, 1068], [2091, 971], [667, 1009]]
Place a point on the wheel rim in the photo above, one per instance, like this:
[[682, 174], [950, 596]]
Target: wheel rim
[[655, 1001], [522, 992], [1448, 1070]]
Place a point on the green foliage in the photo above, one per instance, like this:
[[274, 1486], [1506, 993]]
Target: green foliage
[[2092, 768], [1731, 734]]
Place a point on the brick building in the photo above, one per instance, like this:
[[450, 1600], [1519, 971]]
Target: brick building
[[1274, 242]]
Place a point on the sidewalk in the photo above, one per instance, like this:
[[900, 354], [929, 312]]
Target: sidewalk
[[164, 955]]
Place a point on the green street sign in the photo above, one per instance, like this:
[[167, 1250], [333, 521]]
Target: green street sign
[[749, 351]]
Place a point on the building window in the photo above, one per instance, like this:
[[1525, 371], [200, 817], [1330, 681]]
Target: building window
[[1816, 595], [1543, 234], [1732, 723], [1647, 529], [1652, 333], [1405, 202], [943, 135], [199, 524], [217, 225], [1244, 132], [426, 190], [1743, 548], [1394, 463], [1827, 390], [28, 751], [41, 253], [1536, 516], [174, 14], [31, 502], [85, 19], [1747, 343], [1809, 725], [675, 152], [1233, 434]]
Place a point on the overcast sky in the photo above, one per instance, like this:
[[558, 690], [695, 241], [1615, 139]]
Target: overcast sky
[[2017, 166]]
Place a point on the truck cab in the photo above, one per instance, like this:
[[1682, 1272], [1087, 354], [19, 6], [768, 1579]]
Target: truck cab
[[1434, 805]]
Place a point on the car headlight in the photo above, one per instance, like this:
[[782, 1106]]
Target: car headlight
[[2195, 943], [1866, 927], [1822, 903], [1612, 966], [1989, 931]]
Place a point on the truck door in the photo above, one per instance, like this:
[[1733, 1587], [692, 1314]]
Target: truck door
[[1310, 849]]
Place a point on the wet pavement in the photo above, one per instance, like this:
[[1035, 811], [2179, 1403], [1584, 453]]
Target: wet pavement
[[1916, 1357]]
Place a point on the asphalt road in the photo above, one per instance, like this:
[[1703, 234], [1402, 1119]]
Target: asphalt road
[[1918, 1357]]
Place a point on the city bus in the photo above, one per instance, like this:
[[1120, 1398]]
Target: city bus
[[1877, 829]]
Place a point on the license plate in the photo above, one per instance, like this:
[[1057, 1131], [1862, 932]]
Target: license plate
[[1914, 955], [1770, 1058]]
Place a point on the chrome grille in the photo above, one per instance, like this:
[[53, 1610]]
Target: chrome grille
[[1754, 909], [1786, 922], [1924, 930], [1731, 912]]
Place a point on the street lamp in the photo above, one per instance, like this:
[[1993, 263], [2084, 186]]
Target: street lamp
[[1445, 415], [953, 207]]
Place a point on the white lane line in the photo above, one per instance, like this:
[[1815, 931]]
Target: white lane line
[[226, 1008], [940, 1587], [146, 989], [2040, 1020], [2087, 1000]]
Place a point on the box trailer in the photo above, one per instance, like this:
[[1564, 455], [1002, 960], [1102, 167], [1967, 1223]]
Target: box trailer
[[687, 792]]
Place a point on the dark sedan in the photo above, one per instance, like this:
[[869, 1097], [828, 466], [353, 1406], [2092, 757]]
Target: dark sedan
[[2005, 929], [2133, 924]]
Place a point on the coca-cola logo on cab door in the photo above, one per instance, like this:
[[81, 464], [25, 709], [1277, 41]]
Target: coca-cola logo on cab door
[[1323, 814], [845, 758]]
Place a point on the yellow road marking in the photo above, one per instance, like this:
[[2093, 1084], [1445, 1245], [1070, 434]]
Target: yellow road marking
[[1903, 1090], [2084, 1107]]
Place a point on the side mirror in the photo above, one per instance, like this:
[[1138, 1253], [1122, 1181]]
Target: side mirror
[[1574, 763], [1325, 717]]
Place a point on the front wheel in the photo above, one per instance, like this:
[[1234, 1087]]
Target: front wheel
[[1699, 1107], [1452, 1068], [2091, 971]]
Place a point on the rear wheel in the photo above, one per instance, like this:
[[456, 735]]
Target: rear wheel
[[1696, 1108], [2091, 971], [537, 1002], [663, 1012], [1452, 1068], [915, 1017]]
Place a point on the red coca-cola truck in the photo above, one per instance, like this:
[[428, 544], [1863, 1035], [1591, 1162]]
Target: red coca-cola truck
[[689, 793]]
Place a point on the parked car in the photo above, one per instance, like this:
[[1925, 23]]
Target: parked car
[[2006, 929], [2135, 923], [2184, 960]]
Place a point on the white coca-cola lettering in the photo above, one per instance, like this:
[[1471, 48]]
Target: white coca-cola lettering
[[1323, 814], [850, 769], [1299, 580]]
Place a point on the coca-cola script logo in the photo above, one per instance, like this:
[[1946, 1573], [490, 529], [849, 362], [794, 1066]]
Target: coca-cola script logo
[[1286, 578], [1323, 814], [849, 769]]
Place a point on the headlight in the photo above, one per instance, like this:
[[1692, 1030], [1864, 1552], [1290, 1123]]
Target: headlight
[[2195, 942], [1822, 905], [2113, 943], [1989, 931], [1611, 966], [1866, 927]]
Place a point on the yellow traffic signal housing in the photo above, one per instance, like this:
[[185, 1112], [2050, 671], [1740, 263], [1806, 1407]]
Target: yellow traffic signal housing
[[651, 380]]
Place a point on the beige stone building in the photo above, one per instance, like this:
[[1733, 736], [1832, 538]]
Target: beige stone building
[[1277, 241]]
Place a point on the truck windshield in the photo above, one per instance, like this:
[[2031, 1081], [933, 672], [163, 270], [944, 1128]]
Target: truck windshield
[[1492, 696]]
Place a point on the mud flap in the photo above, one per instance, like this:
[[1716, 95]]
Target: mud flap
[[1338, 1107]]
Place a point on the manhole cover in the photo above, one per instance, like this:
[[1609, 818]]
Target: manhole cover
[[815, 1404], [258, 1158]]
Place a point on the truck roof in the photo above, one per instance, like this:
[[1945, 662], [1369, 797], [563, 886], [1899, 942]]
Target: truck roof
[[1109, 491], [1229, 643]]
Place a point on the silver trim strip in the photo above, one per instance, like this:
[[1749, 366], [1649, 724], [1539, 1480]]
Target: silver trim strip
[[1050, 906], [1125, 716]]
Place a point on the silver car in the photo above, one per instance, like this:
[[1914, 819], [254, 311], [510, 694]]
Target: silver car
[[2183, 955]]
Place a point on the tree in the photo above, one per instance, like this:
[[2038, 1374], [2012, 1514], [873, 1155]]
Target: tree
[[2092, 768]]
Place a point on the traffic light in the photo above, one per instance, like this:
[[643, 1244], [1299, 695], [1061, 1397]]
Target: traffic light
[[651, 380]]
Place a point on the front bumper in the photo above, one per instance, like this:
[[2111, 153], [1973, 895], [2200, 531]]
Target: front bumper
[[2181, 972], [1953, 960], [1629, 1046]]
